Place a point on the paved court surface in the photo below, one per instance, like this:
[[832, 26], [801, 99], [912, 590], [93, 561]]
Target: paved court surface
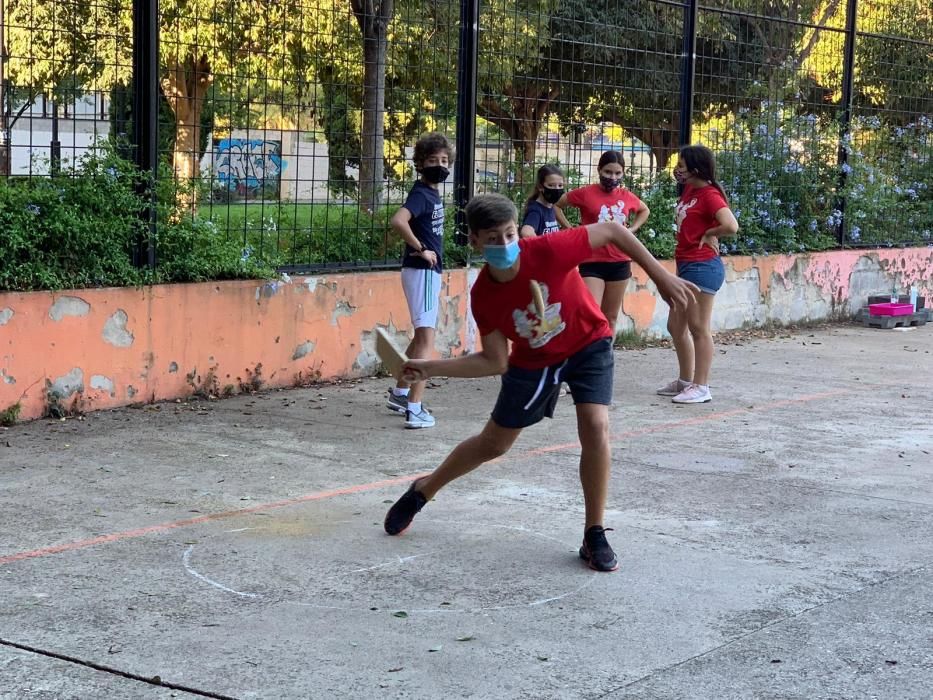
[[776, 543]]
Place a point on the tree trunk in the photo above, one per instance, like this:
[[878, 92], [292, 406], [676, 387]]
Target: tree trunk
[[662, 139], [373, 17], [529, 106], [185, 85]]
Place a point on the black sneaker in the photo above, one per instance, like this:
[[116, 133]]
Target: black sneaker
[[403, 511], [596, 550]]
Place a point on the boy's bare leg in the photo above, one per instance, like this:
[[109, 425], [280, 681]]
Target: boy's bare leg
[[494, 441], [595, 459], [419, 348]]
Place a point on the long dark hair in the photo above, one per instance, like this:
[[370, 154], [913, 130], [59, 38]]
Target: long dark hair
[[701, 163], [611, 157], [543, 173]]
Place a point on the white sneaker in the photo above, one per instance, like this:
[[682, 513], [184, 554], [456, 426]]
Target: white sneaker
[[693, 394], [672, 389], [422, 419]]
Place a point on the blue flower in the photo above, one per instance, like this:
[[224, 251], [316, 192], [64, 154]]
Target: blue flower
[[855, 233], [813, 225], [33, 209], [846, 168]]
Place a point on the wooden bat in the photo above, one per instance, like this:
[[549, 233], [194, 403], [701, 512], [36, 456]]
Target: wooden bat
[[538, 298], [391, 356]]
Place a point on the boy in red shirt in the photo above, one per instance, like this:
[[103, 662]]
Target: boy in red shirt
[[557, 336]]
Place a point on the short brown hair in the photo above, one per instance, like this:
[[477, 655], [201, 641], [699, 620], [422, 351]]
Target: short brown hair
[[488, 210], [429, 144]]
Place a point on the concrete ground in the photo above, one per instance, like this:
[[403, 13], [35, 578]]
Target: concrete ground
[[776, 543]]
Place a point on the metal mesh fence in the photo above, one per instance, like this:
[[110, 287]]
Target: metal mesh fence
[[285, 130], [59, 61]]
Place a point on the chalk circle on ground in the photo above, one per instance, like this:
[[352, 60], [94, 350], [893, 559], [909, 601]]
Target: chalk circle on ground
[[442, 567]]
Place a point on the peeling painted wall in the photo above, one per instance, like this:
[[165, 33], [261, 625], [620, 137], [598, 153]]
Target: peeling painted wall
[[99, 348], [789, 288]]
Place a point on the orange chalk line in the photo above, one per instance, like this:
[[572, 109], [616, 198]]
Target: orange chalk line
[[705, 418], [163, 527], [359, 488]]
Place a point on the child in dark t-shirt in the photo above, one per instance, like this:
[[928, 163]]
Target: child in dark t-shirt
[[540, 215], [420, 222]]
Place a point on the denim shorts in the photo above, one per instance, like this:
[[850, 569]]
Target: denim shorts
[[528, 395], [708, 275], [607, 271]]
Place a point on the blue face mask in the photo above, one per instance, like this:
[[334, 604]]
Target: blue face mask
[[501, 257]]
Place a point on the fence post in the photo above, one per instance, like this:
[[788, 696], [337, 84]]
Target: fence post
[[845, 118], [466, 111], [146, 118], [5, 156], [688, 71], [55, 146]]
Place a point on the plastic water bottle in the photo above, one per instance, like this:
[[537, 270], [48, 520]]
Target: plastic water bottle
[[913, 297], [894, 294]]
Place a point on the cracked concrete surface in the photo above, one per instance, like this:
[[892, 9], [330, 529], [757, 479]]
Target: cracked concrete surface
[[776, 543]]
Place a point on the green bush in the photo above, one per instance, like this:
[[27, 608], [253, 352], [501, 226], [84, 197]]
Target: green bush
[[79, 228], [659, 234], [889, 183], [76, 229]]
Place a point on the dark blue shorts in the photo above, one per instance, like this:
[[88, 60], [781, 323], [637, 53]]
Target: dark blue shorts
[[528, 395], [708, 275]]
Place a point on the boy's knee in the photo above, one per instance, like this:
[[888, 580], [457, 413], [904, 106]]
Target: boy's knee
[[495, 448], [594, 428], [495, 443]]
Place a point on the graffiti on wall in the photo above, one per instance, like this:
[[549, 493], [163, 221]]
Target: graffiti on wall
[[249, 168]]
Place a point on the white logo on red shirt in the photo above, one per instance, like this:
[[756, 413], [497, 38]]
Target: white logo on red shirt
[[536, 330], [614, 213], [682, 209]]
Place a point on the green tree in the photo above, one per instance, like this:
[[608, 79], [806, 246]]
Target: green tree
[[894, 60], [238, 48]]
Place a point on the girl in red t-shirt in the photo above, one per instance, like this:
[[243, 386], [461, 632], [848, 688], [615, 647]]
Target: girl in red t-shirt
[[607, 271], [703, 217]]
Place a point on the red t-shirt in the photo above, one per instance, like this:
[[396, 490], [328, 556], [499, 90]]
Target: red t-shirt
[[572, 320], [596, 205], [696, 214]]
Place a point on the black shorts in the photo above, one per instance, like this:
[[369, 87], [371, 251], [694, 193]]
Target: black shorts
[[528, 395], [607, 271]]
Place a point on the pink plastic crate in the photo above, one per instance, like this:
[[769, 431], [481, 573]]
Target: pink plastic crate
[[890, 309]]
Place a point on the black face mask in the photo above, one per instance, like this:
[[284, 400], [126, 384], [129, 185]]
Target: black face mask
[[552, 194], [609, 183], [435, 174]]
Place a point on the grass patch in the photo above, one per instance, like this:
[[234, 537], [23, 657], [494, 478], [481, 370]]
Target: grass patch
[[632, 340], [10, 414]]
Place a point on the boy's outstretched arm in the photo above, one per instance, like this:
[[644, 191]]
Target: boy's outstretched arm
[[675, 291], [491, 360]]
